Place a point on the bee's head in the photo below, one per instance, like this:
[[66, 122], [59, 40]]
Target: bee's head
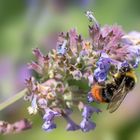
[[125, 67]]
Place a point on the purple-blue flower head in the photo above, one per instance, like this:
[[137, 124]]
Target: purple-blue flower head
[[87, 125], [100, 75], [89, 110], [48, 117], [104, 62], [103, 66], [124, 64], [50, 114]]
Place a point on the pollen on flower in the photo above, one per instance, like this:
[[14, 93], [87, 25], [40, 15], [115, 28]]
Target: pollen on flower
[[66, 74], [31, 110]]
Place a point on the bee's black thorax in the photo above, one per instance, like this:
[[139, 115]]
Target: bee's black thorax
[[129, 82], [108, 91], [127, 79]]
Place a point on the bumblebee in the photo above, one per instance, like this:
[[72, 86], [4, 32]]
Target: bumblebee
[[116, 90]]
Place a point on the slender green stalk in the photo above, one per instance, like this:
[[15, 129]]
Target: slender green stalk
[[13, 99]]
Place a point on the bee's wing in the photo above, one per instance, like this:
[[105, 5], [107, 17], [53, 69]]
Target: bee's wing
[[118, 98]]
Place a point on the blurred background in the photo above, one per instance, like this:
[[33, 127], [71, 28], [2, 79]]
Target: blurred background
[[26, 24]]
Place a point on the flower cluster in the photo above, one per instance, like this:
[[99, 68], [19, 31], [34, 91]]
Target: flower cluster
[[7, 128], [57, 89]]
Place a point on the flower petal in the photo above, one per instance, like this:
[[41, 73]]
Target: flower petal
[[89, 110], [87, 125], [48, 126]]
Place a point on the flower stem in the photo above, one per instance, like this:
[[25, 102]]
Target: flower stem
[[13, 99]]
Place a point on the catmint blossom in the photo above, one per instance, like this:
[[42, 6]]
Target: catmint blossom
[[48, 117], [103, 66], [87, 125], [58, 89], [16, 127]]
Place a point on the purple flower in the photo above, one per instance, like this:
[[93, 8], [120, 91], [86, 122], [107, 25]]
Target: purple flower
[[48, 117], [83, 53], [126, 41], [21, 125], [104, 62], [61, 48], [42, 103], [137, 60], [48, 126], [94, 32], [38, 55], [42, 62], [103, 66], [35, 66], [90, 98], [55, 91], [50, 114], [134, 54], [112, 35], [125, 64], [134, 35], [73, 36], [100, 75], [87, 125], [88, 111], [16, 127], [77, 75], [41, 59]]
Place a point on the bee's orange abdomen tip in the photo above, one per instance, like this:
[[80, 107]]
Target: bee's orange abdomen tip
[[96, 91]]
